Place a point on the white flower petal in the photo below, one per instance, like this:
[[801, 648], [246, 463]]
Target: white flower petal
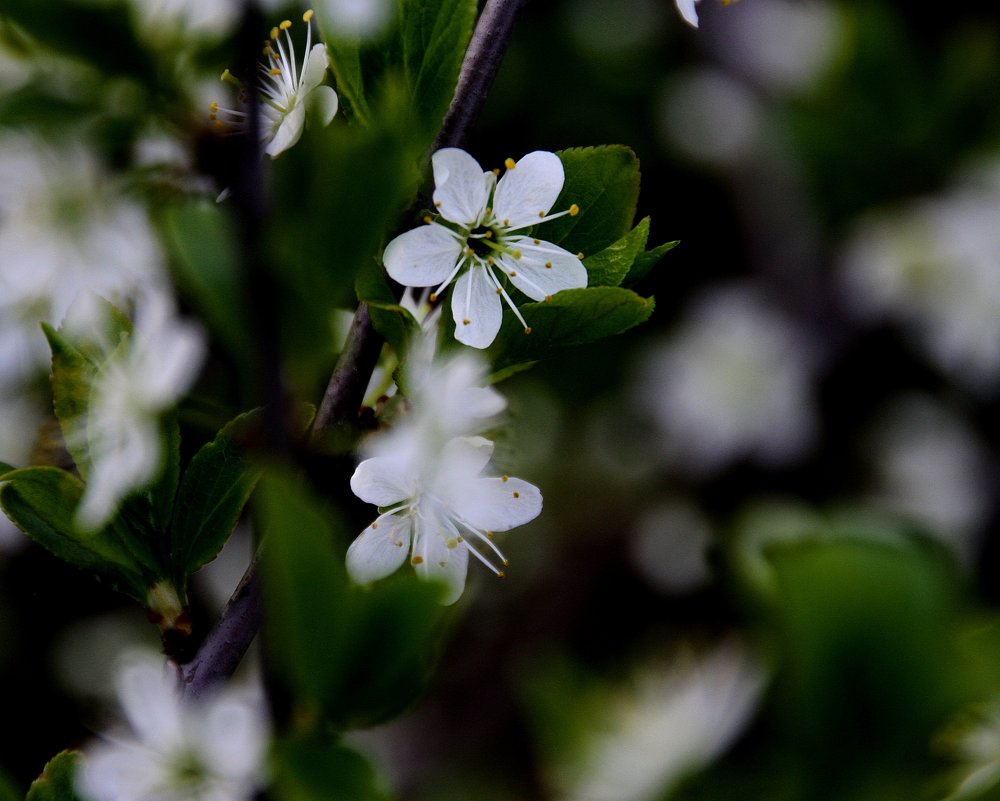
[[380, 549], [498, 504], [233, 736], [121, 772], [465, 457], [383, 481], [151, 702], [688, 11], [424, 256], [461, 190], [325, 102], [476, 308], [540, 274], [313, 69], [289, 131], [434, 560], [528, 190]]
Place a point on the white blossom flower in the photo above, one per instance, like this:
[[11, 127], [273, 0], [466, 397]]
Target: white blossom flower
[[355, 19], [141, 380], [176, 751], [439, 509], [286, 92], [734, 382], [669, 725], [690, 13], [478, 242]]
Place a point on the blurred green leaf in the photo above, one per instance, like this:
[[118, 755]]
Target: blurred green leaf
[[345, 62], [56, 781], [435, 34], [645, 261], [604, 183], [572, 317], [315, 770], [390, 319], [42, 502], [8, 789], [610, 266], [215, 487]]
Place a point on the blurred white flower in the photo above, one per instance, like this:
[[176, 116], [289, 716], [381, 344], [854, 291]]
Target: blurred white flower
[[286, 92], [929, 465], [173, 750], [439, 510], [669, 547], [64, 231], [143, 378], [973, 740], [171, 23], [733, 382], [354, 19], [477, 242], [934, 266], [668, 725]]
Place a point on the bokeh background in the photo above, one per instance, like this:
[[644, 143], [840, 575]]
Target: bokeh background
[[768, 562]]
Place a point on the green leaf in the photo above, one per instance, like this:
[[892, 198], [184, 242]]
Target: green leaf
[[390, 319], [345, 62], [56, 781], [314, 770], [204, 248], [216, 485], [42, 502], [604, 183], [435, 35], [644, 262], [572, 317], [6, 468], [611, 265]]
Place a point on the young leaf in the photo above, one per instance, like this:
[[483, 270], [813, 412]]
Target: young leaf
[[56, 781], [435, 35], [611, 265], [216, 486], [604, 183], [42, 502], [646, 261], [572, 317]]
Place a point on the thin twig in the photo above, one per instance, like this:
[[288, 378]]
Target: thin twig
[[226, 644]]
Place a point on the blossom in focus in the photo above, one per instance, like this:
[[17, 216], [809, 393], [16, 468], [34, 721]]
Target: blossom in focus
[[474, 241], [143, 378], [286, 91], [439, 509], [175, 751], [668, 725], [734, 382]]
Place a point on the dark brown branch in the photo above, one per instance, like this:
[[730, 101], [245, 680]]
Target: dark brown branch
[[226, 644]]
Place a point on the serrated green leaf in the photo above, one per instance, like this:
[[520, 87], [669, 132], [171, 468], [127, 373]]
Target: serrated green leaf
[[56, 781], [610, 266], [345, 63], [314, 770], [644, 262], [604, 183], [42, 502], [390, 319], [572, 317], [435, 35], [216, 485]]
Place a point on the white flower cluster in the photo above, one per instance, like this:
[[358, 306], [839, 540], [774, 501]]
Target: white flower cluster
[[426, 476], [175, 751]]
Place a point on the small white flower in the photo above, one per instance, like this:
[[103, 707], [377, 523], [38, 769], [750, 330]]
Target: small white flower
[[439, 510], [478, 246], [176, 751], [286, 92], [688, 11], [161, 361]]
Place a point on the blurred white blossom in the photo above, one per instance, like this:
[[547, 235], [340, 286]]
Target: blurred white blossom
[[173, 750], [354, 19], [667, 725], [170, 23], [933, 266], [669, 547], [732, 382], [928, 464], [144, 377]]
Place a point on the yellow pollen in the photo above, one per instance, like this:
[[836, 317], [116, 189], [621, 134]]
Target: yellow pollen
[[488, 235], [307, 16], [274, 71], [213, 107], [517, 254], [509, 164], [490, 261], [466, 322], [516, 494], [513, 275], [285, 24], [580, 256], [274, 33], [574, 210], [506, 222], [470, 252], [505, 478], [537, 241], [548, 298], [451, 544], [501, 574], [496, 171], [499, 291], [432, 297], [417, 560], [548, 265], [527, 330], [437, 204], [489, 535], [375, 524], [541, 214], [428, 219]]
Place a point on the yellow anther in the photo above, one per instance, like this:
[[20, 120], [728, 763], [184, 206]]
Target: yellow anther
[[516, 494], [437, 204], [509, 164], [432, 297], [501, 574], [274, 71], [308, 15], [541, 214], [580, 256], [274, 33], [506, 222], [428, 219], [375, 524], [488, 235], [285, 24], [516, 254], [213, 107], [548, 265], [527, 330], [548, 298], [513, 274], [466, 322], [489, 535], [505, 478], [417, 560], [490, 261], [451, 544], [470, 252], [574, 210], [537, 241], [496, 171], [499, 291]]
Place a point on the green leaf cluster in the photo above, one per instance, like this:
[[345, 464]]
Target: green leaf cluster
[[56, 781]]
